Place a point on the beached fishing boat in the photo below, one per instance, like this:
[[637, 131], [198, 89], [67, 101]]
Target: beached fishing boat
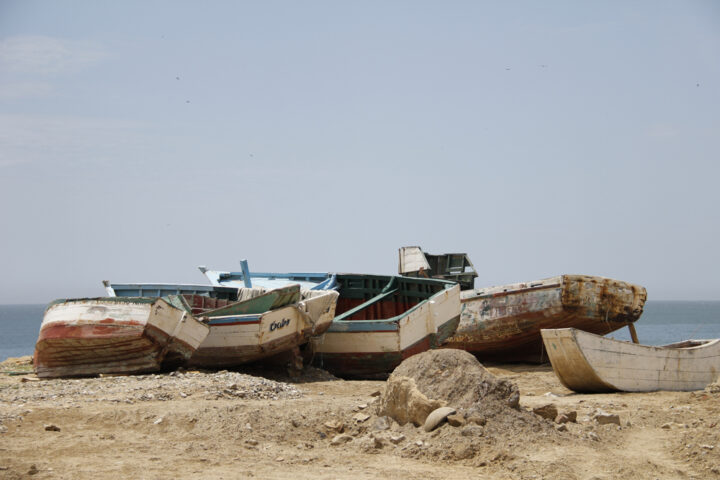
[[164, 289], [89, 336], [266, 323], [380, 319], [246, 324], [585, 362], [503, 323]]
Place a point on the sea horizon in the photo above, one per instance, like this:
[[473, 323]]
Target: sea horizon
[[662, 322]]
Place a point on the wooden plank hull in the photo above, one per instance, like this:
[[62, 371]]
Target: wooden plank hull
[[92, 336], [237, 339], [585, 362], [503, 323], [373, 347]]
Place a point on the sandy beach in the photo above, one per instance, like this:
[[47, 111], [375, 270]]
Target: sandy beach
[[239, 424]]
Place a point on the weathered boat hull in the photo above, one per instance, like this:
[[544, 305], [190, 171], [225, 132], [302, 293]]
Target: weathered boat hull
[[379, 321], [503, 323], [112, 335], [242, 338], [376, 339], [585, 362]]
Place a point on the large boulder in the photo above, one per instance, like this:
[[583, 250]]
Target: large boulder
[[439, 378]]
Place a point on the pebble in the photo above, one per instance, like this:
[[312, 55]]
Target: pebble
[[382, 423], [52, 428], [603, 418], [548, 411], [340, 439], [360, 417], [456, 420], [436, 417], [395, 439]]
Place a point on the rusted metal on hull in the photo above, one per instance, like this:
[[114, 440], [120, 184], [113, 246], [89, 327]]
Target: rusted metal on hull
[[503, 323], [91, 336]]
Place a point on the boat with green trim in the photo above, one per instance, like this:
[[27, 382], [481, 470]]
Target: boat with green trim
[[379, 321]]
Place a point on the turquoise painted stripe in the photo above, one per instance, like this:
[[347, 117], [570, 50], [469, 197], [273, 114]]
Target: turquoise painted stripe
[[235, 320], [364, 326]]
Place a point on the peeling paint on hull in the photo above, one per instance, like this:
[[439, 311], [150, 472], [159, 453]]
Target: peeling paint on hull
[[368, 364], [503, 323], [238, 339], [92, 336]]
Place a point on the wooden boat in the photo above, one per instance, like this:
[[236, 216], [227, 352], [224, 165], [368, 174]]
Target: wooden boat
[[165, 289], [89, 336], [380, 320], [585, 362], [261, 326], [503, 323]]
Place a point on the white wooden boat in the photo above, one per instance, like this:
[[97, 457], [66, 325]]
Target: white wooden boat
[[380, 319], [89, 336], [585, 362], [262, 325]]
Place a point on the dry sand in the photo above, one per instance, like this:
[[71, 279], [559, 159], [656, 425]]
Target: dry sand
[[232, 425]]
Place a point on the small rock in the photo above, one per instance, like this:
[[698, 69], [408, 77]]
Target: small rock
[[362, 406], [569, 417], [707, 447], [395, 439], [377, 442], [51, 428], [419, 443], [294, 423], [381, 423], [456, 420], [472, 431], [33, 470], [436, 417], [666, 426], [279, 459], [340, 439], [463, 451], [593, 436], [477, 420], [248, 427], [561, 428], [360, 417], [548, 411], [251, 442], [376, 393], [603, 418], [158, 421], [336, 425]]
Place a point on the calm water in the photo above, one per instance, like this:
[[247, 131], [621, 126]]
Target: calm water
[[661, 323]]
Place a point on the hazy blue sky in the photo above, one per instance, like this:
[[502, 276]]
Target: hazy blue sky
[[141, 139]]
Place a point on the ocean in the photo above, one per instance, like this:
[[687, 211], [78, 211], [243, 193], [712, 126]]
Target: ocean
[[661, 323]]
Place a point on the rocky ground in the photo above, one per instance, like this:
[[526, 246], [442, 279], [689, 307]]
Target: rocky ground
[[255, 424]]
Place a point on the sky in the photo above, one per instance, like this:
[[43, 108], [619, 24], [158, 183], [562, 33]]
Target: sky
[[140, 139]]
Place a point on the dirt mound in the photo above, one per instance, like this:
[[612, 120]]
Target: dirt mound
[[440, 378]]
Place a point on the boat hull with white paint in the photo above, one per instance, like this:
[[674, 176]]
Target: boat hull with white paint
[[235, 339], [585, 362], [81, 337]]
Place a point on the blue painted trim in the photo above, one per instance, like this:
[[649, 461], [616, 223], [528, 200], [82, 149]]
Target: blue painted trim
[[349, 326], [233, 320], [245, 273]]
